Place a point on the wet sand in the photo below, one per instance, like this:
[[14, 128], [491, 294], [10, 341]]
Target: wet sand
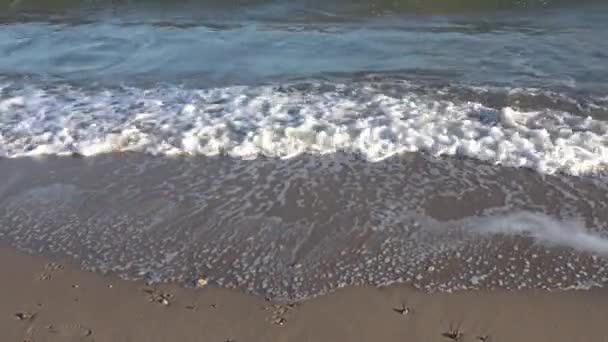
[[294, 250], [49, 300], [299, 228]]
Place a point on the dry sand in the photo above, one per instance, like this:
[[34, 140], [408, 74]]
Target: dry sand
[[48, 300]]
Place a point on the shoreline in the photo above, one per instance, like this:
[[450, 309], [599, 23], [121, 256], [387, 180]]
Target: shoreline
[[296, 228], [45, 299]]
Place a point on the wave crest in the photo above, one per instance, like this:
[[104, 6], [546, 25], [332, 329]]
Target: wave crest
[[246, 122]]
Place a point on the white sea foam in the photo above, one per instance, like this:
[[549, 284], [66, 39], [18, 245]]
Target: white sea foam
[[247, 122], [547, 230]]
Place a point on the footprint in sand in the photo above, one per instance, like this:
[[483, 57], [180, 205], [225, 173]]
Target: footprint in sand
[[69, 332], [49, 269]]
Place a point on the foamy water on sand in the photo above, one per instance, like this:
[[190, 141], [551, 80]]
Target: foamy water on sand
[[300, 227], [292, 148]]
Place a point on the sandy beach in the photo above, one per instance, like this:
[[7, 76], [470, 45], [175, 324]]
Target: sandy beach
[[304, 171], [49, 300]]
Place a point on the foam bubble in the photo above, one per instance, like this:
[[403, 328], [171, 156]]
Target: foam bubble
[[246, 122], [545, 229]]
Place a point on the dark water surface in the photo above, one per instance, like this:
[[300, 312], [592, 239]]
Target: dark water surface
[[526, 43]]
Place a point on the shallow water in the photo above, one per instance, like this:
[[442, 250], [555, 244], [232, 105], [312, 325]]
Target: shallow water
[[290, 148], [294, 228]]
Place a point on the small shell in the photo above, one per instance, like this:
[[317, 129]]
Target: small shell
[[202, 282], [278, 321], [24, 316]]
